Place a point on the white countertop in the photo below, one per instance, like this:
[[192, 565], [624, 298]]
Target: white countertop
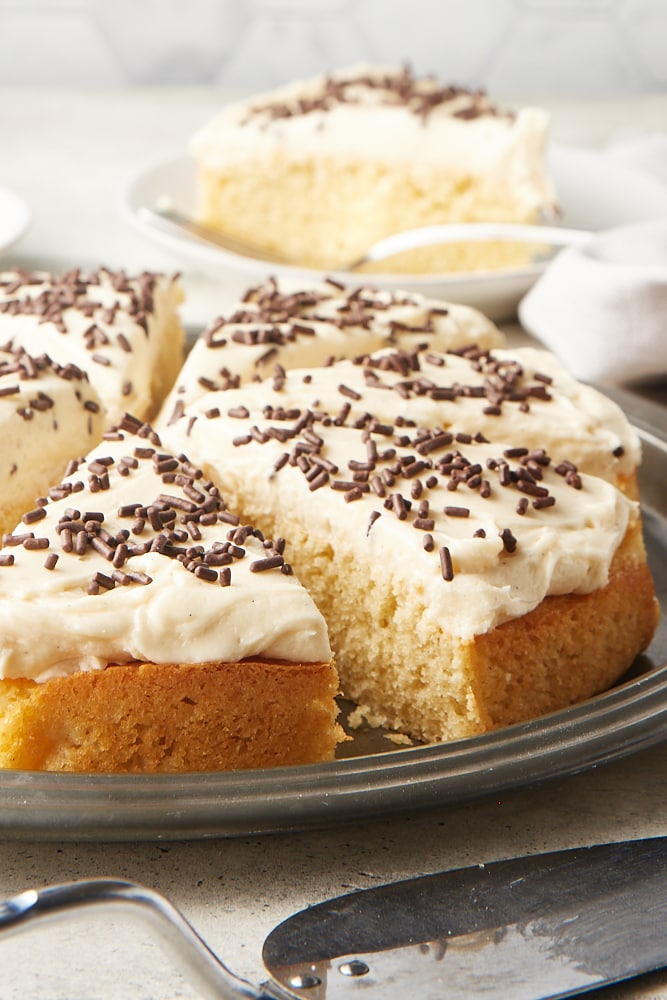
[[68, 153]]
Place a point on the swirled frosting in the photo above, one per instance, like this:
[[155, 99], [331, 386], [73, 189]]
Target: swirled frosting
[[123, 331], [280, 323], [138, 558]]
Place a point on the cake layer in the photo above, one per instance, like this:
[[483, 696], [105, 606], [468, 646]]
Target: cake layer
[[586, 643], [171, 717], [421, 679], [124, 332], [48, 413], [280, 324], [320, 169]]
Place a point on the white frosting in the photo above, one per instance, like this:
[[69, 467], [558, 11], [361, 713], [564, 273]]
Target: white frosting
[[46, 412], [564, 548], [573, 421], [374, 125], [52, 626], [319, 327], [576, 422], [129, 350]]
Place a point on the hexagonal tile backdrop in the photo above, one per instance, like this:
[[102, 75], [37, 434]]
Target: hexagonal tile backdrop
[[548, 47]]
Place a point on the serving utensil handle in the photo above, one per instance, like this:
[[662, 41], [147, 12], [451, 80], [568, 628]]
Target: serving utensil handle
[[204, 969]]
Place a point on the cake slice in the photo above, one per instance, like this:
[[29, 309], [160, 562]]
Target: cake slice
[[123, 331], [48, 413], [281, 325], [320, 169], [146, 627], [469, 580]]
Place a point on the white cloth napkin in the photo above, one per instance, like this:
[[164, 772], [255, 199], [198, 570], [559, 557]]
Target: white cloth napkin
[[602, 307]]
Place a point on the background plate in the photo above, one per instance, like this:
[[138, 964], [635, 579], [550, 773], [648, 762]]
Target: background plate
[[14, 218], [632, 716], [595, 192]]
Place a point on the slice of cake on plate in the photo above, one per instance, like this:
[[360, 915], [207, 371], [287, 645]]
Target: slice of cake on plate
[[145, 627], [320, 169], [123, 331]]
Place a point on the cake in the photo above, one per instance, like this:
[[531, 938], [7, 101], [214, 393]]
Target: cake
[[471, 573], [46, 410], [146, 627], [281, 324], [318, 170], [464, 532], [122, 331]]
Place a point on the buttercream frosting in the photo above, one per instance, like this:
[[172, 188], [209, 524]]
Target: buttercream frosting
[[121, 330], [139, 559], [445, 364], [47, 411], [279, 323]]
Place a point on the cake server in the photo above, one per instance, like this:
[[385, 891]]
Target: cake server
[[170, 219], [530, 928]]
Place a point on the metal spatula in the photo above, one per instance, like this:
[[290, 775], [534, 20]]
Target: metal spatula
[[531, 928]]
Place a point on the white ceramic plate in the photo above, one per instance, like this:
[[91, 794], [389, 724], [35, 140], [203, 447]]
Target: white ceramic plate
[[595, 192], [14, 218]]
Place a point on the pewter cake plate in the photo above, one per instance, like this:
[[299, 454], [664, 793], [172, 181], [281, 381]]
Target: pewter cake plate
[[376, 777]]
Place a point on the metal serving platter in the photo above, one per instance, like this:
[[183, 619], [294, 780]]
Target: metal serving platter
[[376, 777]]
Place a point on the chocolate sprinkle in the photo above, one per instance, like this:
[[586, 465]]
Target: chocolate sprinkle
[[418, 95], [446, 567]]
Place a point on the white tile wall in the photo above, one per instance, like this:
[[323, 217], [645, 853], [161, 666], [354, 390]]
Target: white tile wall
[[549, 47]]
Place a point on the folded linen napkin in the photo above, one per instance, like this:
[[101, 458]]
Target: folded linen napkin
[[602, 306]]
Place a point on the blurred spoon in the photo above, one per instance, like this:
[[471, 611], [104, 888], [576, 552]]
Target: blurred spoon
[[171, 220]]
